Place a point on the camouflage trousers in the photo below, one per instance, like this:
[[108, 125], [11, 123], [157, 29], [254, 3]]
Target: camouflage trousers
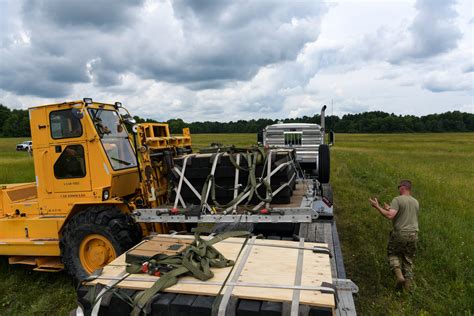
[[401, 251]]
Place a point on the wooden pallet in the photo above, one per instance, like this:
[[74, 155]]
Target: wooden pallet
[[267, 274]]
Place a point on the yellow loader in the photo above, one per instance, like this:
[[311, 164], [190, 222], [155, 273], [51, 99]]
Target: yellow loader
[[77, 213]]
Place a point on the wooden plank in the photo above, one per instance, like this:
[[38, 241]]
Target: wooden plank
[[328, 239], [266, 264], [160, 245], [308, 232], [341, 271], [319, 230]]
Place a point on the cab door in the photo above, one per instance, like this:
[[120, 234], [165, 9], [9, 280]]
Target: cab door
[[67, 151]]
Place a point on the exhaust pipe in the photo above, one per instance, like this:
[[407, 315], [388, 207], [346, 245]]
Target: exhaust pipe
[[323, 118]]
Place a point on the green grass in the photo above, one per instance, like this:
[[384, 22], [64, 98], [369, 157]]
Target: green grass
[[15, 166], [239, 140], [27, 292], [441, 167], [23, 291]]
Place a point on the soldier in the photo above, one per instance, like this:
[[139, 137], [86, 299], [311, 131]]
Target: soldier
[[403, 211]]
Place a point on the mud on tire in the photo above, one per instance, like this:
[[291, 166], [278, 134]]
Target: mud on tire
[[107, 221]]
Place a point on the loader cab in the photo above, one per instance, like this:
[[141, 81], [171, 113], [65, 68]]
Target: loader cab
[[82, 154]]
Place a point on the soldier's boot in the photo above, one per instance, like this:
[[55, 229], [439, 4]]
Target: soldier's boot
[[408, 285], [399, 276]]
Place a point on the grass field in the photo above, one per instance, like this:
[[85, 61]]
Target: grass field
[[441, 167]]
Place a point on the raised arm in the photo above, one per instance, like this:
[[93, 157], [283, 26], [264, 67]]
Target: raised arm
[[386, 211]]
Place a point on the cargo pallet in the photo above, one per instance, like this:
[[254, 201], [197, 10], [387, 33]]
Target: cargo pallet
[[270, 277]]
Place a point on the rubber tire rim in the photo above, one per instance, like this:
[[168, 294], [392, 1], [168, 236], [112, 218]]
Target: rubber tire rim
[[95, 251]]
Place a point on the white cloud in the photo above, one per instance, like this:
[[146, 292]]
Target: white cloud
[[444, 81], [231, 60]]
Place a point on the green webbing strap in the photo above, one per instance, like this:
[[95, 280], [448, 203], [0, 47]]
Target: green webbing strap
[[234, 162], [196, 259], [263, 180], [252, 158]]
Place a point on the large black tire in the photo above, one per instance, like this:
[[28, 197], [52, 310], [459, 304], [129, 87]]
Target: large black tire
[[323, 163], [106, 221]]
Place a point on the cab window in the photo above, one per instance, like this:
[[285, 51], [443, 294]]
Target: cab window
[[71, 163], [64, 124], [114, 138]]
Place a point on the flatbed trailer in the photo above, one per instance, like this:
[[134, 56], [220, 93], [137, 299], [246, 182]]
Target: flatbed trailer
[[310, 217], [305, 215]]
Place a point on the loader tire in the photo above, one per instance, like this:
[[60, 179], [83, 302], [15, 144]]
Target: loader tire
[[323, 163], [94, 237]]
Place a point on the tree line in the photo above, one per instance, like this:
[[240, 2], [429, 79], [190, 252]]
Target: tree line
[[15, 123], [367, 122]]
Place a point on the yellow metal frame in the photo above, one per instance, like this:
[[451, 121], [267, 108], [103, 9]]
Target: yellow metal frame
[[155, 139]]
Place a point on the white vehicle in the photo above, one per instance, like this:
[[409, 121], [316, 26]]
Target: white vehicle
[[25, 146], [307, 139]]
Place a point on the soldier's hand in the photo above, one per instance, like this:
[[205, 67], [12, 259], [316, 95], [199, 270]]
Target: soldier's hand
[[374, 202]]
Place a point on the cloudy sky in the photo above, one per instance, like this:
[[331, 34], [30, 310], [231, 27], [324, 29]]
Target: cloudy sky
[[229, 60]]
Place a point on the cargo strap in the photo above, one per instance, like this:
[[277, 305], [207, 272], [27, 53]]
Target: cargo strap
[[245, 195], [196, 259], [221, 304], [250, 190]]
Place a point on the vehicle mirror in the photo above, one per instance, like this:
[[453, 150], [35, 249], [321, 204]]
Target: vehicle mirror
[[128, 119], [331, 138], [77, 113]]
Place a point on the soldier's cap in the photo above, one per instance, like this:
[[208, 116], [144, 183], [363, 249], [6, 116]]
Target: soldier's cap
[[405, 183]]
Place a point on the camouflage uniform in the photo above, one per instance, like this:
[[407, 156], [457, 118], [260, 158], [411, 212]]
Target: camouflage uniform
[[401, 251], [402, 243]]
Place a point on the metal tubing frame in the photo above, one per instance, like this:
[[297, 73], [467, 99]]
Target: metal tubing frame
[[213, 170], [236, 182], [180, 184]]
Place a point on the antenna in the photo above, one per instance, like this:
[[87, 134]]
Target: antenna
[[332, 108]]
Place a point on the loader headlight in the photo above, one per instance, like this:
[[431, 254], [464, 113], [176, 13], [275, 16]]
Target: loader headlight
[[118, 105], [105, 195]]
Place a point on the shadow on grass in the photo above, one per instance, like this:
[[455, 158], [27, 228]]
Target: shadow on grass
[[27, 292]]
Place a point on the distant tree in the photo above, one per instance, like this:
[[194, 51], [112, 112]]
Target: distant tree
[[17, 124], [176, 126], [4, 115]]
